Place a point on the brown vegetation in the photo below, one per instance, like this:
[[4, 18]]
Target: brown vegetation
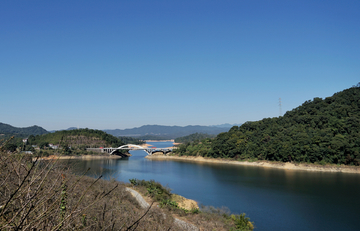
[[38, 196], [44, 195]]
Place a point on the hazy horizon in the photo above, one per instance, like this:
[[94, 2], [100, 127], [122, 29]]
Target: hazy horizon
[[72, 127]]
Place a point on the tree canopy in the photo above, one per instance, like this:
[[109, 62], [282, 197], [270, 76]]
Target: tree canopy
[[76, 139], [320, 130]]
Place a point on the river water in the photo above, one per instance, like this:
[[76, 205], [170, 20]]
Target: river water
[[274, 199]]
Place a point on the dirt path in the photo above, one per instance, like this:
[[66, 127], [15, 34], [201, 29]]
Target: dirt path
[[182, 224]]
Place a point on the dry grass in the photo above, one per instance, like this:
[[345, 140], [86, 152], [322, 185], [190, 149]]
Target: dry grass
[[47, 196]]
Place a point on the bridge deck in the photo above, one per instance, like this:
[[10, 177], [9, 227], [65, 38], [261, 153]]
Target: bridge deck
[[133, 147]]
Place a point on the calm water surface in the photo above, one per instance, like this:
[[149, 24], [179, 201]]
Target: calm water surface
[[274, 199]]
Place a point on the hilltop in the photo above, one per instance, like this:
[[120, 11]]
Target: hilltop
[[68, 142], [78, 138], [7, 129]]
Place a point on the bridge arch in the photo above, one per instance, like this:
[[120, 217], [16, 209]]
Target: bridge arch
[[148, 150], [129, 147]]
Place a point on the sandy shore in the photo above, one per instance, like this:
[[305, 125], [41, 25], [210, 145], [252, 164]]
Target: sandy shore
[[159, 140], [145, 145], [83, 157], [265, 164]]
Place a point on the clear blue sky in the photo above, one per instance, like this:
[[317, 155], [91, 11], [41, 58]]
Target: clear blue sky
[[124, 64]]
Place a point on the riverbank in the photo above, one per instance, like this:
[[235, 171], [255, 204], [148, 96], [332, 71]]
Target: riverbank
[[159, 140], [265, 164], [82, 157]]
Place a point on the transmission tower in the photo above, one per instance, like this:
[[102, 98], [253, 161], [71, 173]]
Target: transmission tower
[[280, 110]]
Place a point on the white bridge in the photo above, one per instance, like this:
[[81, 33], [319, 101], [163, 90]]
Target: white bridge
[[134, 147]]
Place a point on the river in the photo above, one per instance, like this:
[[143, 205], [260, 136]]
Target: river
[[274, 199]]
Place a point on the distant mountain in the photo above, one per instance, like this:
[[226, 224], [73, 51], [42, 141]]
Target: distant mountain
[[69, 129], [168, 132], [7, 129], [226, 125]]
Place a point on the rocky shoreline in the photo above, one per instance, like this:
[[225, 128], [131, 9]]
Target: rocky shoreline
[[266, 164]]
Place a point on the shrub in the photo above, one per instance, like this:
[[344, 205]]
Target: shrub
[[242, 223], [154, 189]]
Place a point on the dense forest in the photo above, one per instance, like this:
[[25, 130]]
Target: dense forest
[[319, 131], [78, 137]]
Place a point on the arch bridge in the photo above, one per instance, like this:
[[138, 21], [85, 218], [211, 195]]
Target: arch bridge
[[134, 147]]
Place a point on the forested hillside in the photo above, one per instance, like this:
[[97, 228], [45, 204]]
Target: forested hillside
[[78, 139], [7, 129], [320, 130], [81, 138]]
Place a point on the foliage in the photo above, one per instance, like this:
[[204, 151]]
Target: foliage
[[319, 131], [195, 148], [155, 189], [241, 222], [71, 142], [77, 137], [170, 203]]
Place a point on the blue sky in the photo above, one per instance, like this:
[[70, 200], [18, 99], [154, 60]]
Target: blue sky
[[124, 64]]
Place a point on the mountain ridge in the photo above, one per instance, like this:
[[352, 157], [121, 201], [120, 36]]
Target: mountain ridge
[[170, 132], [8, 129], [163, 131]]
